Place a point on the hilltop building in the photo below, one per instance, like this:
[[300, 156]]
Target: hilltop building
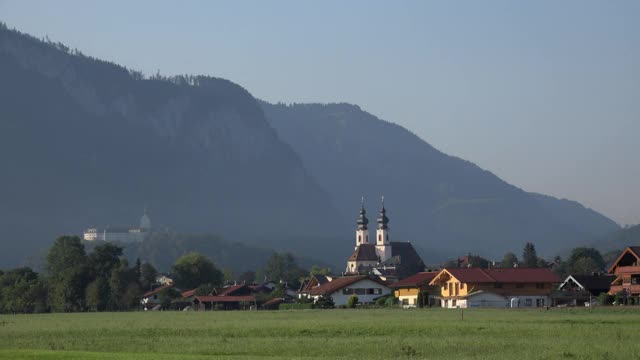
[[389, 259], [123, 234]]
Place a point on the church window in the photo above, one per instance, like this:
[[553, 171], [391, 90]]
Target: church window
[[359, 238], [379, 237]]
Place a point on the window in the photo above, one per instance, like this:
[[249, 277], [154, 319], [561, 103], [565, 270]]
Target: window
[[369, 291], [527, 302], [377, 291], [453, 303], [347, 291], [379, 238], [405, 301], [519, 286], [539, 286], [461, 286], [359, 238], [498, 285], [360, 291], [415, 301]]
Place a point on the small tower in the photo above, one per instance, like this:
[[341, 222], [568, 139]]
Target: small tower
[[362, 232], [383, 245], [145, 221]]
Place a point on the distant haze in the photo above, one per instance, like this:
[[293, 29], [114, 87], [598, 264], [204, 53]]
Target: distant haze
[[545, 94]]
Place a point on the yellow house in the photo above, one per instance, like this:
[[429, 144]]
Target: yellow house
[[407, 290], [497, 287]]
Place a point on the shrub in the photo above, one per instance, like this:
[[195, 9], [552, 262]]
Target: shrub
[[325, 302], [352, 302], [381, 301]]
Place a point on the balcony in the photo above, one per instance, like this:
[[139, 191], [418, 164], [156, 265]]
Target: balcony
[[627, 270], [633, 289]]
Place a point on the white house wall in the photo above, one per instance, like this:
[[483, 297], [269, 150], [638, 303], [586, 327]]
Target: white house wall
[[339, 298]]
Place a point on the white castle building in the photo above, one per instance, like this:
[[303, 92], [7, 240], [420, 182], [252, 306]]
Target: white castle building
[[385, 257], [121, 234]]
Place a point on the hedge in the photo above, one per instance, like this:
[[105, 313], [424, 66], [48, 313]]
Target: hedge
[[295, 306]]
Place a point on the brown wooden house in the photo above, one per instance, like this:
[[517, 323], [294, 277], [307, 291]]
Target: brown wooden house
[[626, 269]]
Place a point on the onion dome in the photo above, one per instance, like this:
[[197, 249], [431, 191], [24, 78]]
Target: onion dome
[[362, 219], [383, 220]]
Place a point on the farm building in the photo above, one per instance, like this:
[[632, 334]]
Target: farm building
[[367, 289], [497, 287]]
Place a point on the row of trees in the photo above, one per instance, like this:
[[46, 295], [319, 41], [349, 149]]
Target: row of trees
[[582, 260], [103, 279]]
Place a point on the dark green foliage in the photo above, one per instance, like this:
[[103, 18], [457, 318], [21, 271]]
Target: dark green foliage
[[605, 299], [296, 306], [352, 301], [529, 256], [318, 270], [247, 277], [68, 277], [22, 291], [584, 260], [103, 259], [194, 269], [166, 297], [98, 295], [284, 267], [325, 302], [381, 301], [509, 260], [148, 275]]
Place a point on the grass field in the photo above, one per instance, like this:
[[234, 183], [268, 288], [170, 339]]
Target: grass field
[[322, 334]]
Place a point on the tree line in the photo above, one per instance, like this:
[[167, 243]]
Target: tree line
[[75, 280]]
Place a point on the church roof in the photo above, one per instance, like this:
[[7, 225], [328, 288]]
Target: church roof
[[364, 252], [406, 252]]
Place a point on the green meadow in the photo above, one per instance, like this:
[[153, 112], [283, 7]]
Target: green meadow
[[322, 334]]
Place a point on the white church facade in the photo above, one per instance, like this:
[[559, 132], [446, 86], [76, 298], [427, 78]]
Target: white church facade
[[382, 257]]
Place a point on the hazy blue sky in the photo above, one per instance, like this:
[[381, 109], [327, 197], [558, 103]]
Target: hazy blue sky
[[546, 94]]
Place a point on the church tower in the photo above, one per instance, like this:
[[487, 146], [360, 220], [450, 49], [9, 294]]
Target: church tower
[[362, 232], [383, 245]]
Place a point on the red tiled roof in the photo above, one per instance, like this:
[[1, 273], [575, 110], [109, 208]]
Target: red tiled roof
[[189, 293], [225, 298], [231, 289], [274, 301], [339, 283], [155, 291], [504, 275], [523, 275], [415, 280]]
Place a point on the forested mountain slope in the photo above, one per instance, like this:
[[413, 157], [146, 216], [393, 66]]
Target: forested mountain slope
[[445, 205]]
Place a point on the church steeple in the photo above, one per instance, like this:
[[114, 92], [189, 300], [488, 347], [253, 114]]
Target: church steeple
[[362, 231], [383, 220], [383, 245]]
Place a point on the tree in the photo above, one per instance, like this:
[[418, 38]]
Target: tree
[[148, 275], [585, 260], [509, 260], [194, 269], [66, 267], [103, 259], [317, 270], [120, 282], [284, 267], [98, 294], [22, 291], [529, 256], [352, 302]]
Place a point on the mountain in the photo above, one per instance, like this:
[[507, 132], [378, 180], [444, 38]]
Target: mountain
[[445, 205], [84, 142], [618, 240]]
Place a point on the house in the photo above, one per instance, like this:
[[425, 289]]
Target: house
[[313, 282], [581, 289], [496, 287], [408, 289], [385, 255], [368, 289], [151, 300], [164, 279], [228, 302], [626, 270]]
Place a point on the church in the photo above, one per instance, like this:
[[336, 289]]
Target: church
[[389, 259]]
